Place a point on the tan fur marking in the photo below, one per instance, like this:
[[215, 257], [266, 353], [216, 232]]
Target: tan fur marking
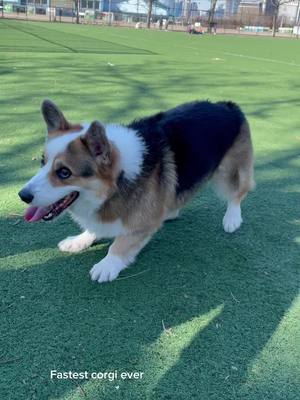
[[70, 128], [130, 245], [147, 204], [234, 176], [78, 159], [154, 196]]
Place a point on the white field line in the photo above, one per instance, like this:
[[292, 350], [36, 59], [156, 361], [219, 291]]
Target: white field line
[[223, 52], [128, 37], [271, 60], [263, 59]]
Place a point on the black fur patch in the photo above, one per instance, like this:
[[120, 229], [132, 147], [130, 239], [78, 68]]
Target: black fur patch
[[86, 171], [43, 160], [198, 133]]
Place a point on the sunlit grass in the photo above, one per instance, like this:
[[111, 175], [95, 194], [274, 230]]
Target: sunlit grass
[[230, 300], [278, 362]]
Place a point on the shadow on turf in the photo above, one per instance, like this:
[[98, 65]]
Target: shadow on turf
[[134, 87], [266, 109], [59, 42], [114, 93], [54, 317], [118, 92]]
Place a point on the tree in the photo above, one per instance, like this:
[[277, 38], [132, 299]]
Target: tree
[[297, 19], [77, 5], [276, 5], [211, 15], [149, 15]]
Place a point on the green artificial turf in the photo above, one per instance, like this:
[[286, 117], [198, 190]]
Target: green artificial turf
[[203, 314]]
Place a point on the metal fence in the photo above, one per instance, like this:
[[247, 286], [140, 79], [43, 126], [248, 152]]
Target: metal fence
[[242, 23]]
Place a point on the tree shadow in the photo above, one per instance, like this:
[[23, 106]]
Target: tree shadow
[[63, 43], [117, 92], [262, 281], [54, 317]]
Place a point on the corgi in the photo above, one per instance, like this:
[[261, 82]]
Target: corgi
[[123, 181]]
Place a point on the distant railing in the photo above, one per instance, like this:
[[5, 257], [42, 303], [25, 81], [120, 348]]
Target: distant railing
[[237, 24]]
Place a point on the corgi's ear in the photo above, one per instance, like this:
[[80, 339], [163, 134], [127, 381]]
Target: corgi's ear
[[96, 141], [53, 117]]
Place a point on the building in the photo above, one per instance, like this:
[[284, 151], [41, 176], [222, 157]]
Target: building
[[269, 8], [289, 13], [134, 7], [251, 7], [231, 7], [67, 7]]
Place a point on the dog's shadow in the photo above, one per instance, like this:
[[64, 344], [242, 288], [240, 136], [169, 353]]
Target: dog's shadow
[[193, 313]]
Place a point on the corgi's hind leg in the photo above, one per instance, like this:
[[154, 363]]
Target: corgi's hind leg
[[234, 178], [172, 215], [232, 219], [234, 189]]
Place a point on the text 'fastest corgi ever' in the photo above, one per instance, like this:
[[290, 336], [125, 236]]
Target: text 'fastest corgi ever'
[[124, 181]]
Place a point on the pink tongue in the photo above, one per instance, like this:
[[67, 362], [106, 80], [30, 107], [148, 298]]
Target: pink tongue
[[34, 214]]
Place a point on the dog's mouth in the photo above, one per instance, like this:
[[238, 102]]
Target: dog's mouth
[[34, 214]]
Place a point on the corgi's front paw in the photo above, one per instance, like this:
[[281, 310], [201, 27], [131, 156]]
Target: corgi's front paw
[[75, 244], [107, 269]]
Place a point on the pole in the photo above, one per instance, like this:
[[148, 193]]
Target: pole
[[109, 12], [298, 19], [2, 10], [149, 14], [187, 10], [77, 11]]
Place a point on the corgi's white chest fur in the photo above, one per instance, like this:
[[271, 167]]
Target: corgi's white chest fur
[[164, 158], [100, 229], [85, 214], [84, 211]]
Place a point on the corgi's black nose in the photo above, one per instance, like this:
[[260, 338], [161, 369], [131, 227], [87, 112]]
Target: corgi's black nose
[[26, 196]]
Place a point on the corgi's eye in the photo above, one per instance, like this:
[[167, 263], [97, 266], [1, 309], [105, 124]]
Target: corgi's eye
[[63, 173]]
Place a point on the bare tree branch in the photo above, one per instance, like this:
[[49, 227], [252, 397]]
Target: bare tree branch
[[276, 4], [211, 15], [149, 15], [76, 2]]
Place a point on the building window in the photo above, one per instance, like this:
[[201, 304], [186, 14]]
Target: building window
[[97, 4], [90, 4], [83, 3]]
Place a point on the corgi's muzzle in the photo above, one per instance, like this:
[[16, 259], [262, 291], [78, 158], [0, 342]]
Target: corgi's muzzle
[[26, 196], [34, 214]]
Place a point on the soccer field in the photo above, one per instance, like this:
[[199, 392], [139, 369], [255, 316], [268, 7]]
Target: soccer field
[[202, 314]]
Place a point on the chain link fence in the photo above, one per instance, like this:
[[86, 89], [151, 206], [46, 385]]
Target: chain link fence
[[196, 22]]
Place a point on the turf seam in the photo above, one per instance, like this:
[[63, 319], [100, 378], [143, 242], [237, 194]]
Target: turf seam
[[41, 38]]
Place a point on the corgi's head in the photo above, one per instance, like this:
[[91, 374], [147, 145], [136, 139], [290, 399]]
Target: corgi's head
[[78, 162]]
